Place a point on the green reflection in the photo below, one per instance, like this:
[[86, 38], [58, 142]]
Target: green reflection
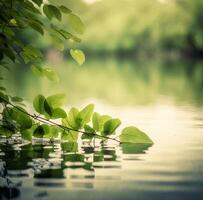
[[131, 82]]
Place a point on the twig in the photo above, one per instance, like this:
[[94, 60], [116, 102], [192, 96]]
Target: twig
[[43, 120]]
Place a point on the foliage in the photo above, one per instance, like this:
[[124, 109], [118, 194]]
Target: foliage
[[140, 25], [15, 119], [42, 17]]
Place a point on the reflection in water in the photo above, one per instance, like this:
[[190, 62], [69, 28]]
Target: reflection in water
[[164, 99], [61, 165], [131, 82]]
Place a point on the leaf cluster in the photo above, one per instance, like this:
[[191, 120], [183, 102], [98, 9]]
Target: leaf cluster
[[15, 119]]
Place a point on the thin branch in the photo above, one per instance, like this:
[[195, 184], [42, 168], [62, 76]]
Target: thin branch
[[65, 128]]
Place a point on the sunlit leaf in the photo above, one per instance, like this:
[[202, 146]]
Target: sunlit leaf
[[99, 120], [56, 100], [37, 70], [71, 119], [76, 23], [110, 126], [58, 113], [71, 136], [51, 75], [78, 56], [132, 134], [85, 114]]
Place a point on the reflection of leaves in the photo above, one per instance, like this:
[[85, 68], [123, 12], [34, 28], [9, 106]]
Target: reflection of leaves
[[128, 148], [98, 156], [69, 147], [74, 157]]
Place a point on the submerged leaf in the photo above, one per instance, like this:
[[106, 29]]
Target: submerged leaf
[[132, 134]]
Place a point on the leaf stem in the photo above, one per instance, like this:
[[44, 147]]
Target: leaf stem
[[65, 128]]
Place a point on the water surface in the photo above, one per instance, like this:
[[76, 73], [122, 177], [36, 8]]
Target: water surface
[[164, 99]]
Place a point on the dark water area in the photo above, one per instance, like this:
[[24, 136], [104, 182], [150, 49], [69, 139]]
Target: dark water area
[[162, 98]]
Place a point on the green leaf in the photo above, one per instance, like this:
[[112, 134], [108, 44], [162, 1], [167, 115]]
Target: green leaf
[[58, 113], [20, 116], [71, 136], [55, 130], [76, 23], [78, 56], [4, 98], [30, 7], [42, 131], [110, 126], [71, 119], [56, 100], [6, 132], [38, 2], [38, 103], [47, 108], [67, 35], [90, 133], [52, 11], [27, 134], [50, 74], [64, 9], [36, 26], [37, 70], [132, 134], [16, 99], [85, 114], [58, 43], [99, 120]]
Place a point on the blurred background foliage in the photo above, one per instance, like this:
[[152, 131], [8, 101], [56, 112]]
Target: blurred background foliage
[[139, 26], [132, 49]]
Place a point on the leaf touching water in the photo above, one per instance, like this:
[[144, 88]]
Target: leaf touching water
[[132, 134]]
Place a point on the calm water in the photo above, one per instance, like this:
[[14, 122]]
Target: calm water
[[164, 99]]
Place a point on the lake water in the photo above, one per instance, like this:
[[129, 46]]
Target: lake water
[[162, 98]]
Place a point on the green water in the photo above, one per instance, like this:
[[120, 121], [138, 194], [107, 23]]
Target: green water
[[163, 98]]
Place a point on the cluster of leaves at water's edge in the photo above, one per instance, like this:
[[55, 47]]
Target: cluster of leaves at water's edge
[[39, 16], [15, 119]]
